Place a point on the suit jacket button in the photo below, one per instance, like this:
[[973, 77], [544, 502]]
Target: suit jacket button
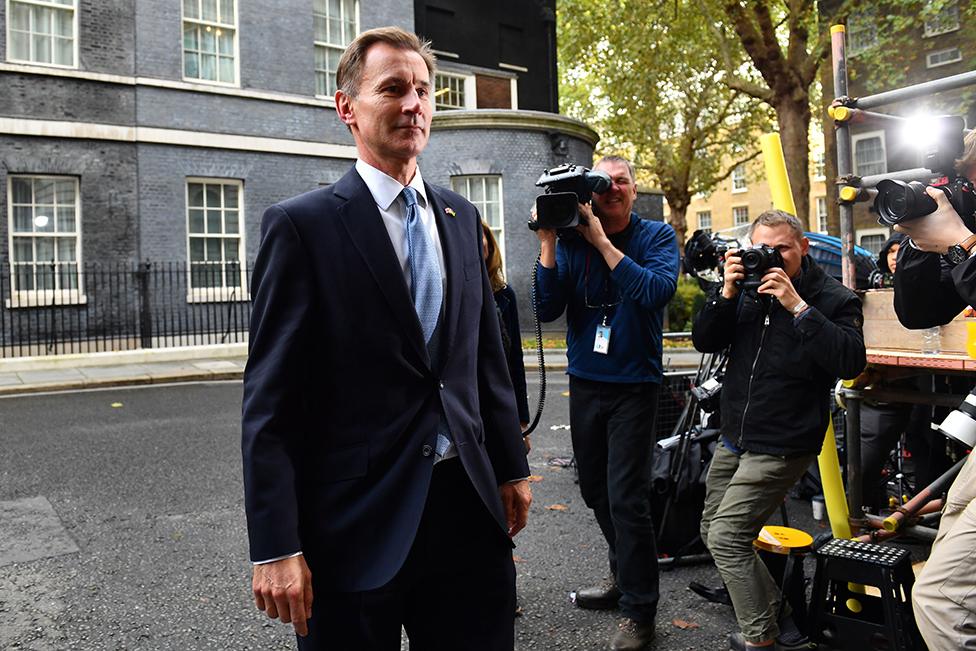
[[427, 450], [441, 385]]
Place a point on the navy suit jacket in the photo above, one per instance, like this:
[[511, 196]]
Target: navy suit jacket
[[341, 403]]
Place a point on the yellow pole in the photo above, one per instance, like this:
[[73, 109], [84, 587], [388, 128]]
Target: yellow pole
[[779, 180], [833, 486]]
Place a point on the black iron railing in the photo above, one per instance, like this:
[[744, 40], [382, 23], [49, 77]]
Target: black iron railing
[[60, 308]]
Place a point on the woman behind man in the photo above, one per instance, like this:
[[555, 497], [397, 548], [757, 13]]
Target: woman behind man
[[508, 320]]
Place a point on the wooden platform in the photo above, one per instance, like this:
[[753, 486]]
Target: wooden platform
[[891, 344]]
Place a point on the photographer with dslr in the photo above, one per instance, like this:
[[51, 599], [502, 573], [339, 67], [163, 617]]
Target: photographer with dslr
[[613, 276], [789, 338], [934, 280]]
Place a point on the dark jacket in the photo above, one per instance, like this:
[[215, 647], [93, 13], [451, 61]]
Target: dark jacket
[[512, 342], [928, 290], [342, 401], [776, 391]]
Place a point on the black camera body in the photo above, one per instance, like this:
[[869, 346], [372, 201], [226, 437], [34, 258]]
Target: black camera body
[[756, 261], [900, 201], [566, 187]]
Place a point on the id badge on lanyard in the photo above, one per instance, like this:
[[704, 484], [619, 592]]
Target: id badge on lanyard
[[601, 343]]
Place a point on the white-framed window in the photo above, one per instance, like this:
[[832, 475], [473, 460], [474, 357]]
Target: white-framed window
[[485, 192], [215, 239], [45, 239], [210, 41], [869, 153], [943, 21], [705, 220], [821, 214], [862, 32], [454, 91], [740, 215], [872, 239], [820, 166], [739, 178], [336, 25], [942, 57], [43, 32]]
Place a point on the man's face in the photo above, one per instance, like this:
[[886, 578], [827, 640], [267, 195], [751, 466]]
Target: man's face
[[782, 238], [893, 256], [615, 203], [390, 117]]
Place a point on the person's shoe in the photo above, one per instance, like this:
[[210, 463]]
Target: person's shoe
[[790, 637], [632, 635], [719, 595], [604, 597], [738, 643]]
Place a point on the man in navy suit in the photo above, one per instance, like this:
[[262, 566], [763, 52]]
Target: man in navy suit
[[384, 469]]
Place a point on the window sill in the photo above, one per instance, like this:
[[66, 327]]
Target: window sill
[[219, 295], [211, 82], [44, 299], [740, 190], [41, 64]]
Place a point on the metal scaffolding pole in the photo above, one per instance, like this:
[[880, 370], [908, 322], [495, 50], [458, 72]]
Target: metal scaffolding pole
[[845, 163], [906, 93]]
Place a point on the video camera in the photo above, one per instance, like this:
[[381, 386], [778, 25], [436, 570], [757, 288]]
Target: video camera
[[566, 187], [900, 201]]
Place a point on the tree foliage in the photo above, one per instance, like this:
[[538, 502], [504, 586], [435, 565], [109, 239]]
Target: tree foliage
[[646, 75]]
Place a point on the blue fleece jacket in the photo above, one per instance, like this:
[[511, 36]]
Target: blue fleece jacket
[[641, 285]]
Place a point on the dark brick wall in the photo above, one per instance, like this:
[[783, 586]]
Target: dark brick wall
[[107, 174], [107, 36], [268, 178], [60, 98]]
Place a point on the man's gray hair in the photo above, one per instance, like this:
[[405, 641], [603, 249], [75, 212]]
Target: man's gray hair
[[775, 217], [621, 160]]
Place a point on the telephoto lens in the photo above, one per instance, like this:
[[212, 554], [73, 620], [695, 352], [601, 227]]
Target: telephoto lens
[[960, 424], [898, 201]]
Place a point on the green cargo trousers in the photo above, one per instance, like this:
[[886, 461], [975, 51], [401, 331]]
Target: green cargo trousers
[[741, 494]]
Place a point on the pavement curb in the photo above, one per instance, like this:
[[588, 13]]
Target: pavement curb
[[125, 381]]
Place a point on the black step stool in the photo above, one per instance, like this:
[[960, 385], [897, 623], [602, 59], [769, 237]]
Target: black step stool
[[853, 621]]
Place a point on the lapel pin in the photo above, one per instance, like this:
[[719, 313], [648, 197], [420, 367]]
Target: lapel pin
[[450, 211]]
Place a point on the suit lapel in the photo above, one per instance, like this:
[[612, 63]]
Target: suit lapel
[[452, 240], [364, 224]]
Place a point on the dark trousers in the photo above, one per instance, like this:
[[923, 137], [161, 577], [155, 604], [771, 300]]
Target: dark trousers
[[881, 425], [456, 590], [613, 440]]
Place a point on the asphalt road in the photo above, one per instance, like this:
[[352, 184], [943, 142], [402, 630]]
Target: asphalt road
[[122, 527]]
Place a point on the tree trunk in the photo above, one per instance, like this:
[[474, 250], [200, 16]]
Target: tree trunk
[[793, 117], [679, 223]]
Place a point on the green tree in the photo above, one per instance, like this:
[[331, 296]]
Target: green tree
[[645, 74]]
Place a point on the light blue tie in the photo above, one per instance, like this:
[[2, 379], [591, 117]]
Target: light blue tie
[[425, 270]]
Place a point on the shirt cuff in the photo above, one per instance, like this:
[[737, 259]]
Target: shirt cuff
[[515, 481], [278, 558]]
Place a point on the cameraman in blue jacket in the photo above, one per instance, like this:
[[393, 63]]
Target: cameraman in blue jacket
[[613, 280]]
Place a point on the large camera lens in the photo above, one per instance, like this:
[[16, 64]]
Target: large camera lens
[[898, 201], [754, 260]]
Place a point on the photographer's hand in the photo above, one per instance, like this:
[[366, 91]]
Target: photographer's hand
[[591, 228], [732, 272], [547, 244], [938, 231], [777, 283]]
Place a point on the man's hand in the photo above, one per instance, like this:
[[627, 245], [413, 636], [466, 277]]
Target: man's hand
[[591, 228], [777, 283], [938, 231], [516, 498], [547, 243], [283, 590], [732, 272]]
